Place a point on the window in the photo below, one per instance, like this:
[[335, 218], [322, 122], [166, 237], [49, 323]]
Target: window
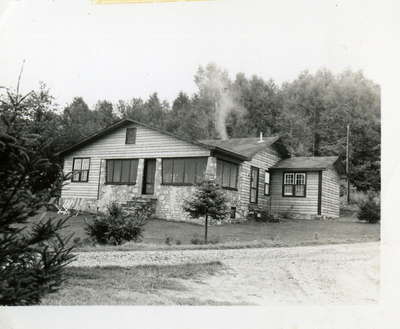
[[266, 182], [130, 136], [121, 171], [80, 169], [227, 174], [233, 213], [254, 185], [294, 184], [183, 171]]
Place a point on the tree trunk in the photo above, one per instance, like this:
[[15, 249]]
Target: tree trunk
[[206, 229]]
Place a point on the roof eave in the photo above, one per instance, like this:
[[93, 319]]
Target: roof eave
[[93, 137], [230, 154], [298, 168], [120, 124]]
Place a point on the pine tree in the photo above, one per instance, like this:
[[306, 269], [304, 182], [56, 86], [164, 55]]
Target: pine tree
[[32, 255], [208, 201]]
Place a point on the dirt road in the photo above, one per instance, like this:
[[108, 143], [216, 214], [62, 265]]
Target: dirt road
[[338, 274]]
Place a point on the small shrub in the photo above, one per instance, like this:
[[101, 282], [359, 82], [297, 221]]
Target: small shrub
[[87, 241], [214, 240], [275, 238], [342, 190], [196, 240], [264, 216], [370, 209], [168, 240], [77, 241], [118, 226], [358, 197], [178, 242]]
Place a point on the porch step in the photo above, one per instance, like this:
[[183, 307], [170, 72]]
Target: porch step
[[140, 202]]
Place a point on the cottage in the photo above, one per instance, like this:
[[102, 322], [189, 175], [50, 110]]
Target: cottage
[[130, 162]]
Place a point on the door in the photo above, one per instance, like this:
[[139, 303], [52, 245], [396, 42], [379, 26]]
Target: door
[[148, 176], [254, 185]]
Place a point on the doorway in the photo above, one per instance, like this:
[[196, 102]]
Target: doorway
[[149, 172]]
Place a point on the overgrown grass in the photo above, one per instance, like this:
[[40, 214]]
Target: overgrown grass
[[139, 285]]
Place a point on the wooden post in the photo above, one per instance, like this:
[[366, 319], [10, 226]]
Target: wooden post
[[206, 229], [347, 163]]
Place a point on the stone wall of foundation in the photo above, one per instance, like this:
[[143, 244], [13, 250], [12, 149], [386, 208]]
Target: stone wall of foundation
[[170, 198]]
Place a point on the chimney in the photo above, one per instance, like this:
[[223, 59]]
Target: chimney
[[261, 137]]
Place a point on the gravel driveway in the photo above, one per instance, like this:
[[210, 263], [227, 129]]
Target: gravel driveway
[[338, 274]]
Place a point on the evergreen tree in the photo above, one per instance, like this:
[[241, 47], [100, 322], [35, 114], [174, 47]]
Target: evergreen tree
[[32, 255], [209, 200]]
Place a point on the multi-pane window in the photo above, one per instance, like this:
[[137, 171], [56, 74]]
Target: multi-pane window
[[130, 136], [121, 171], [294, 184], [254, 185], [266, 182], [80, 169], [183, 171], [227, 174]]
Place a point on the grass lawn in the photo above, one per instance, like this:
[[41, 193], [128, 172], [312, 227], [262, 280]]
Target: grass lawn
[[250, 234], [140, 285]]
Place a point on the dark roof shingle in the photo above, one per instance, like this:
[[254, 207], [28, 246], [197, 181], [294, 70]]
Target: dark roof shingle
[[306, 163], [244, 146]]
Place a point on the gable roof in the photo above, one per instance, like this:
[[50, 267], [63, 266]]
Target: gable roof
[[240, 148], [247, 147], [308, 163], [124, 122]]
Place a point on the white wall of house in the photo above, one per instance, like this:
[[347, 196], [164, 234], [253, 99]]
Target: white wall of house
[[330, 193], [305, 207], [262, 160]]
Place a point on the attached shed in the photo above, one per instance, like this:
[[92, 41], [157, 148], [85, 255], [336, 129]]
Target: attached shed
[[306, 187]]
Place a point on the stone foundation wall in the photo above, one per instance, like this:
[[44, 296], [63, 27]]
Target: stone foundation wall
[[170, 199]]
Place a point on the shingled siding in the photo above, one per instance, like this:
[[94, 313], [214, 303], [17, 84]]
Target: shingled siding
[[301, 207], [149, 144], [330, 193], [262, 160]]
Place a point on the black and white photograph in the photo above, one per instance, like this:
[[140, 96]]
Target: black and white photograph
[[190, 153]]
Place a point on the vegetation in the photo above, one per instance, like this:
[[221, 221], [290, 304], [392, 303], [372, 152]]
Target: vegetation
[[370, 209], [241, 235], [139, 285], [262, 214], [32, 257], [117, 226], [310, 113], [208, 201]]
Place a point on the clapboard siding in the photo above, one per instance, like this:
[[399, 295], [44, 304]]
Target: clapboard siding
[[294, 205], [149, 144], [262, 160], [330, 193]]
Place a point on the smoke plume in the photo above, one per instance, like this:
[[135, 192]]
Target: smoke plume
[[216, 85]]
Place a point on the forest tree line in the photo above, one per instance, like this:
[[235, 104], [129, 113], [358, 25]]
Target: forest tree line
[[310, 113]]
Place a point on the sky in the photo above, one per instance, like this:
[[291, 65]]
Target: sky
[[121, 51]]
